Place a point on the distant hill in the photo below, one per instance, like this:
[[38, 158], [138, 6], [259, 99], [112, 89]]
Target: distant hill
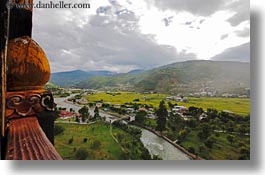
[[72, 78], [181, 77], [137, 71]]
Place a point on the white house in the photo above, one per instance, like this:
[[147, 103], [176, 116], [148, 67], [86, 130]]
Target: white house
[[131, 118], [179, 109]]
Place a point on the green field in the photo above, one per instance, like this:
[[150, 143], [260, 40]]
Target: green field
[[237, 105], [127, 97], [109, 148], [126, 148]]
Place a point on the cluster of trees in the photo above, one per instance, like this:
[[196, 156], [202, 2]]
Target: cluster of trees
[[205, 127], [210, 129], [85, 114], [135, 132]]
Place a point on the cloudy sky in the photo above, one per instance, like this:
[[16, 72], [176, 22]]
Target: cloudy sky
[[123, 35]]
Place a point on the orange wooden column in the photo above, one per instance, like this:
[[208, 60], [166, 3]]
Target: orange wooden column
[[28, 72]]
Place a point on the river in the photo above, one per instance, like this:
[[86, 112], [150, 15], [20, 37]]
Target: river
[[158, 146], [154, 144]]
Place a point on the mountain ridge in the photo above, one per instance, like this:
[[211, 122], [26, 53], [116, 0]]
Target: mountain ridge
[[180, 77], [72, 78], [183, 77]]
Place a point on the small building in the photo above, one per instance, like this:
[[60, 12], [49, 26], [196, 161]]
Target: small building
[[179, 109], [117, 106], [131, 118], [142, 109], [151, 116], [65, 114], [179, 99], [129, 110], [203, 116], [99, 104], [170, 98]]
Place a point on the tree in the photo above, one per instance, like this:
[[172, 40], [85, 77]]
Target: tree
[[81, 154], [70, 141], [244, 153], [230, 125], [84, 111], [230, 138], [170, 105], [162, 117], [191, 150], [96, 110], [205, 131], [194, 111], [140, 117], [210, 141], [192, 123], [96, 113], [182, 134], [212, 113], [95, 145]]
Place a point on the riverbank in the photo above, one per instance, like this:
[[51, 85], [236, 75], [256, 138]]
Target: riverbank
[[166, 140], [192, 156]]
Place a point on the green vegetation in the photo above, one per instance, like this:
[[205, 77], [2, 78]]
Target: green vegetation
[[220, 136], [51, 87], [162, 117], [210, 135], [220, 149], [84, 111], [236, 105], [127, 97], [95, 142], [134, 149], [239, 106]]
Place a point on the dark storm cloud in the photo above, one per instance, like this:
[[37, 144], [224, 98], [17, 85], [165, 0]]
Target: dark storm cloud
[[239, 53]]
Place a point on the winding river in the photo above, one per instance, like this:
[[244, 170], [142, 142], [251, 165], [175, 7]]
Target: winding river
[[154, 144]]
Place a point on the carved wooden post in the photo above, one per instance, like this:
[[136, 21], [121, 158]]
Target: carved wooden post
[[28, 71]]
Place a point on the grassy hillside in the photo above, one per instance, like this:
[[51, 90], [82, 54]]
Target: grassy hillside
[[191, 76], [182, 77], [96, 142]]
